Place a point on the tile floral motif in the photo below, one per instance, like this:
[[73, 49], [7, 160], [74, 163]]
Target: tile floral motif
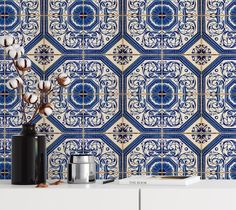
[[201, 54], [219, 160], [84, 25], [161, 25], [220, 90], [201, 133], [122, 54], [122, 133], [162, 93], [167, 155], [5, 157], [94, 98], [22, 20], [44, 54], [46, 128], [220, 24]]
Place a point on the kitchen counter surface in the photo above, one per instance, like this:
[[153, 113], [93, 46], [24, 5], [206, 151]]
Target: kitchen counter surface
[[6, 184], [205, 195], [69, 196], [203, 184]]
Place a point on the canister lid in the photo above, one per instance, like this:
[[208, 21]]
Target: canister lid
[[82, 158]]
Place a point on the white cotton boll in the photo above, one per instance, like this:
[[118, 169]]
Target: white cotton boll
[[15, 51], [46, 109], [14, 83], [30, 98], [40, 85], [16, 46], [67, 81], [8, 49], [45, 86], [20, 81], [28, 63], [63, 79], [12, 53], [48, 85], [6, 41], [33, 99], [22, 50], [23, 64], [2, 41], [9, 40]]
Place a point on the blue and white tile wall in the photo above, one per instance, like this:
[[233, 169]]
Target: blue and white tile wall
[[153, 84]]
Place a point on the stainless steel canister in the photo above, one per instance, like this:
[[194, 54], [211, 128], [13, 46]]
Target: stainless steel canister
[[81, 169]]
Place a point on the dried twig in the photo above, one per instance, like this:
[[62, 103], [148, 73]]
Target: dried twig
[[57, 182], [42, 185], [21, 89]]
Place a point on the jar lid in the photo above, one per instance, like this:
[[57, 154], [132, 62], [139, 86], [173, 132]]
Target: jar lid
[[82, 158]]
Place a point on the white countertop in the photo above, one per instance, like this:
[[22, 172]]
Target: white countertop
[[6, 184], [203, 184], [69, 196], [205, 195]]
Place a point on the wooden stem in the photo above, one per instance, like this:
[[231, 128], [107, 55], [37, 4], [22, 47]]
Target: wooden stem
[[21, 89]]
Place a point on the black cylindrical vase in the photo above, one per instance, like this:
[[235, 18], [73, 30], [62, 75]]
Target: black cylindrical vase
[[28, 157]]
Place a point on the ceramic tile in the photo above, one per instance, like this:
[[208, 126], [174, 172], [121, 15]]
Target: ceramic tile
[[201, 133], [152, 84], [5, 156], [122, 133], [93, 26], [223, 9], [162, 93], [22, 20], [219, 157], [46, 127], [218, 102], [166, 155], [219, 29], [44, 54], [92, 100], [157, 25]]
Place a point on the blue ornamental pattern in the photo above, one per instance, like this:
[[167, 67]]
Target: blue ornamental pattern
[[152, 84], [168, 156], [12, 17], [219, 159], [84, 25], [221, 99], [5, 157], [94, 96], [220, 23], [161, 25], [21, 19], [162, 94]]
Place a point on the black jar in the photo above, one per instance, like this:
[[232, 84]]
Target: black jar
[[28, 157]]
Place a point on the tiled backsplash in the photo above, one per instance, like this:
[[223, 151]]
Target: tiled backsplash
[[153, 83]]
